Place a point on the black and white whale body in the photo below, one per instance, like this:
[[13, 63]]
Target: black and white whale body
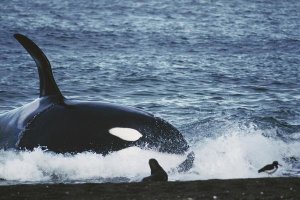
[[62, 125]]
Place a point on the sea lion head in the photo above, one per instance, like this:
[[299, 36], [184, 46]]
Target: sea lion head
[[154, 166]]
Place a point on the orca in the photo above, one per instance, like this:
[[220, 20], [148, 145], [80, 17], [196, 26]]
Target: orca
[[67, 126]]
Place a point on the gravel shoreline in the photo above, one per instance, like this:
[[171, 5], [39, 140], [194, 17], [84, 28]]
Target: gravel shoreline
[[259, 188]]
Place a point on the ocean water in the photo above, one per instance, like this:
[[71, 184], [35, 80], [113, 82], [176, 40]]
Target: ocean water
[[225, 73]]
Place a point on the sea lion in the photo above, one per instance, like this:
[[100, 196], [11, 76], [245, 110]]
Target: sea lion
[[157, 172]]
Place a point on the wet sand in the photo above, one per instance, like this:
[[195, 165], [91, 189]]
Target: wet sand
[[262, 188]]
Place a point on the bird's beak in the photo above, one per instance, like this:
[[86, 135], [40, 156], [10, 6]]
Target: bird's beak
[[280, 165]]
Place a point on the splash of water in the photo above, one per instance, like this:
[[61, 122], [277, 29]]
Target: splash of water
[[240, 155], [234, 154], [130, 164]]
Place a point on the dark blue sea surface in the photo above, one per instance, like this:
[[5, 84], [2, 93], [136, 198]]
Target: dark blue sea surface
[[225, 73]]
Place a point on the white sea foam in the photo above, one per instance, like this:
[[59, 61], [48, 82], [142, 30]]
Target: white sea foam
[[239, 154], [38, 165], [235, 154]]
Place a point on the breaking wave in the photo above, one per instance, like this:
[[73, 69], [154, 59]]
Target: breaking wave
[[236, 153]]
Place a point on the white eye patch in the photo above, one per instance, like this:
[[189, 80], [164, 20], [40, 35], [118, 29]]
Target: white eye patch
[[127, 134]]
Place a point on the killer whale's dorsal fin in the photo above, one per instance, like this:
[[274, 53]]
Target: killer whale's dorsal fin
[[48, 85]]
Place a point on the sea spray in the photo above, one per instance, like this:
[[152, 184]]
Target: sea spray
[[130, 164], [232, 155], [238, 152]]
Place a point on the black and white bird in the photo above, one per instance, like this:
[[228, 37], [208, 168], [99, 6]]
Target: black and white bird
[[271, 168]]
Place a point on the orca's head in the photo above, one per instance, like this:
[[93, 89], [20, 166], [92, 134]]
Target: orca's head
[[122, 127]]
